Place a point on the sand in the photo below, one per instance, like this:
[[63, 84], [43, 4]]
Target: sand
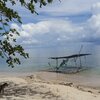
[[33, 87]]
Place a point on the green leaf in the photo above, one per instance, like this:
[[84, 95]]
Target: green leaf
[[1, 28]]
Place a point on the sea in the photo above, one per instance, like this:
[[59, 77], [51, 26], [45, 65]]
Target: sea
[[39, 55]]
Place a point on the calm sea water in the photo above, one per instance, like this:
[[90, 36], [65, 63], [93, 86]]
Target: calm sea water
[[39, 57]]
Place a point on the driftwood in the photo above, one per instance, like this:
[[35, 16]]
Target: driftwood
[[2, 87]]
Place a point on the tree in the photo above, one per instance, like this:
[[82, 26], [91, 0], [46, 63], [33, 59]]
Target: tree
[[9, 49]]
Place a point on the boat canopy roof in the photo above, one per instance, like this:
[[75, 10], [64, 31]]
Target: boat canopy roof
[[71, 56]]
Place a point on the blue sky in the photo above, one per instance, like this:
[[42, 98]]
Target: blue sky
[[60, 22], [59, 29]]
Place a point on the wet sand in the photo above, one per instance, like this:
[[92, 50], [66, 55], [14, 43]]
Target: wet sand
[[78, 78], [48, 86]]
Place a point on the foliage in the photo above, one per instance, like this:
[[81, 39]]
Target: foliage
[[9, 49]]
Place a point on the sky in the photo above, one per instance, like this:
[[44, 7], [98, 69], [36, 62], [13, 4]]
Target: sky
[[59, 23]]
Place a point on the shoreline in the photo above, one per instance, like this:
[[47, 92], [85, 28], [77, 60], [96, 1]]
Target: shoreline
[[46, 76], [78, 79], [43, 86]]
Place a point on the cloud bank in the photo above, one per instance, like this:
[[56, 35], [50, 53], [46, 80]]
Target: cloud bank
[[69, 7], [55, 31]]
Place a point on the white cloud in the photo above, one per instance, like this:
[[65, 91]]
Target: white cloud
[[96, 8], [48, 31], [13, 25], [55, 30], [93, 24], [30, 42], [68, 7]]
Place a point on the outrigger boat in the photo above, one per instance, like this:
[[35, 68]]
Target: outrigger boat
[[63, 67], [61, 63]]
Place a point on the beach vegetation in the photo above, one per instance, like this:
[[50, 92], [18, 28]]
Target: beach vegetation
[[10, 50]]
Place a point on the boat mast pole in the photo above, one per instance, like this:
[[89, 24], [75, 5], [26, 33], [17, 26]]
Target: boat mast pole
[[80, 62], [56, 64]]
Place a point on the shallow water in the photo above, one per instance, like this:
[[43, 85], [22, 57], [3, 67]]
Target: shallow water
[[39, 60]]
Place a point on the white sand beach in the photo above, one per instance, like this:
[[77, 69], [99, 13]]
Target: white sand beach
[[33, 87]]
